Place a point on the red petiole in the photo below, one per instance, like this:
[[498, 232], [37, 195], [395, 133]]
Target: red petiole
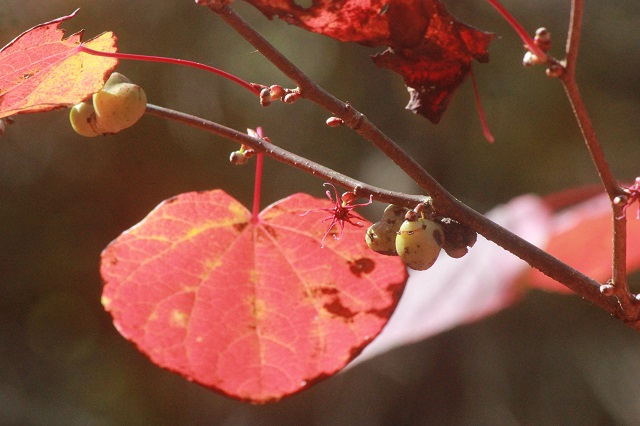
[[130, 56], [258, 183], [524, 35]]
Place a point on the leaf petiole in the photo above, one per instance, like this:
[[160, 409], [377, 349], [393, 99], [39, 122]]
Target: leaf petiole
[[255, 211], [524, 35], [146, 58], [485, 128]]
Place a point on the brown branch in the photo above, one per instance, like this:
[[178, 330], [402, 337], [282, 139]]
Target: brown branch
[[618, 285], [312, 91], [282, 155], [628, 302], [443, 201], [589, 135], [568, 79]]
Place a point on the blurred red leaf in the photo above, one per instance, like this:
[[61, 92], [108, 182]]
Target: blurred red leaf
[[581, 236], [488, 279], [257, 311], [427, 46], [459, 291], [40, 71]]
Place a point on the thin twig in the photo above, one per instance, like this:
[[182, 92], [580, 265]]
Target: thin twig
[[568, 79], [573, 36], [313, 92], [589, 135], [628, 302], [519, 29], [619, 281], [362, 189]]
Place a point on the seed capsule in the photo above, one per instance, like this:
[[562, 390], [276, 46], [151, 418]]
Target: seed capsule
[[119, 104], [83, 119], [381, 236], [394, 214], [419, 242], [382, 239]]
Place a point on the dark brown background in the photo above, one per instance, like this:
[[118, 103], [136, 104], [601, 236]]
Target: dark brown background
[[552, 359]]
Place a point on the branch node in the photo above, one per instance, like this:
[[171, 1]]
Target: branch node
[[555, 70], [607, 289], [353, 118], [291, 97], [357, 191]]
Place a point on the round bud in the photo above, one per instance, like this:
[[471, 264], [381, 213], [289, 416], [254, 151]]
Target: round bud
[[83, 119], [238, 158], [543, 39], [419, 242], [530, 59], [607, 290], [291, 97], [265, 97], [620, 200], [119, 104], [334, 121], [276, 91], [555, 71], [348, 198]]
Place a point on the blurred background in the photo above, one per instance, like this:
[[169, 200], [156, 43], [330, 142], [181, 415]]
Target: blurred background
[[551, 359]]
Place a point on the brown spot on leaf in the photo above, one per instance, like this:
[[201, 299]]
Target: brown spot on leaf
[[337, 308], [270, 230], [239, 227], [364, 265], [325, 290]]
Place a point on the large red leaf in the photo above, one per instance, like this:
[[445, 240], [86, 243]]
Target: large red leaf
[[427, 46], [41, 71], [257, 311]]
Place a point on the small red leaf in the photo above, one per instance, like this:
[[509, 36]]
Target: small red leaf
[[41, 71], [257, 311], [427, 46]]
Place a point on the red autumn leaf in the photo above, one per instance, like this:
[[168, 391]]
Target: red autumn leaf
[[257, 311], [427, 46], [40, 71], [581, 236]]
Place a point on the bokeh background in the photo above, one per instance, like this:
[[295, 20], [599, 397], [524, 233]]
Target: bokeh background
[[549, 360]]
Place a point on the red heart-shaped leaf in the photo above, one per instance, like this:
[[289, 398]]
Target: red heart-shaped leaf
[[254, 309]]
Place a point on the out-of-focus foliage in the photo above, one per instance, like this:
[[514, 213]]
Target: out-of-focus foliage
[[63, 198]]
